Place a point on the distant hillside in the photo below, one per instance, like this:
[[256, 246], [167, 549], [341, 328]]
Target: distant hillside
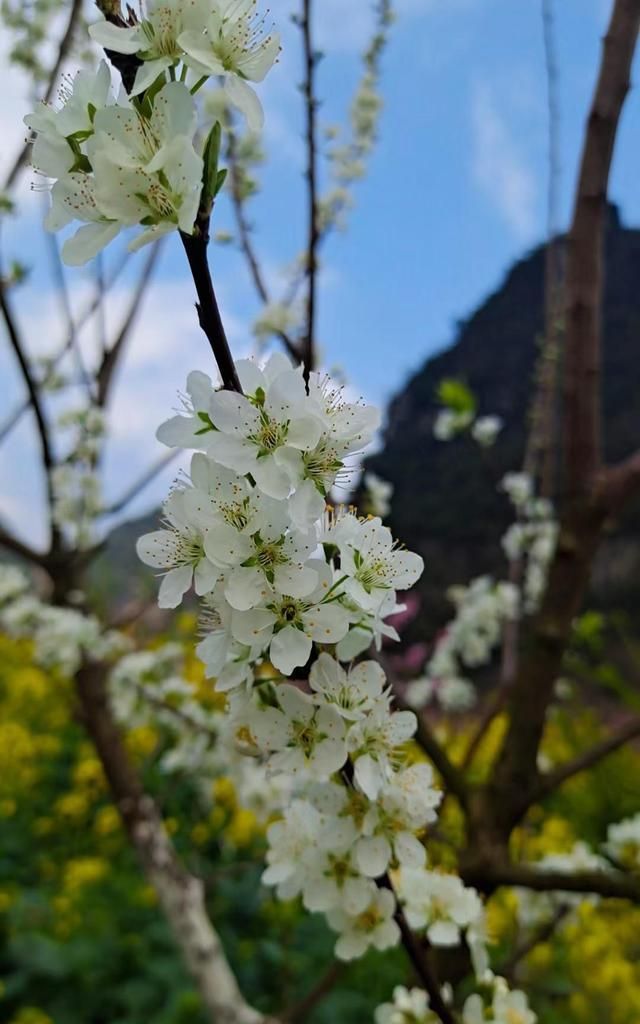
[[445, 505]]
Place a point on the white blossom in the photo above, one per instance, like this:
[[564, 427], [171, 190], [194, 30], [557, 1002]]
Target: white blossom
[[373, 926], [438, 904]]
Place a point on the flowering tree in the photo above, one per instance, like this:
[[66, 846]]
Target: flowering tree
[[296, 595]]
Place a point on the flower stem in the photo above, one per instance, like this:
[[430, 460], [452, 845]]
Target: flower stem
[[199, 84]]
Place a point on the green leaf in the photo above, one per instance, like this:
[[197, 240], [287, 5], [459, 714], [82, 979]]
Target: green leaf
[[455, 395], [220, 180]]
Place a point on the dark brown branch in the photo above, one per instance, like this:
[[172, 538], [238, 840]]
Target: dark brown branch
[[553, 780], [299, 1014], [621, 483], [584, 274], [418, 952], [544, 933], [508, 793], [72, 329], [105, 373], [451, 775], [35, 403], [195, 246], [246, 242], [180, 893], [311, 105], [14, 418], [63, 50], [11, 543], [609, 884]]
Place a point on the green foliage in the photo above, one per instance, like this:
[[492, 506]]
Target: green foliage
[[456, 395]]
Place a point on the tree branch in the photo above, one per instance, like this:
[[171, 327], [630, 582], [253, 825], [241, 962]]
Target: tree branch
[[11, 543], [33, 393], [618, 484], [299, 1013], [181, 894], [419, 954], [609, 884], [144, 481], [195, 246], [63, 49], [584, 276], [542, 934], [451, 775], [105, 372], [508, 793], [311, 104], [552, 780]]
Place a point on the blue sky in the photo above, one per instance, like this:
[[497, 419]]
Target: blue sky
[[456, 191]]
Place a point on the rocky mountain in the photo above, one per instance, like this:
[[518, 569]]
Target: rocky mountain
[[445, 503]]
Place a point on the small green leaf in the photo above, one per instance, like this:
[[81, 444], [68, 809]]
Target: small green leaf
[[455, 395], [220, 180]]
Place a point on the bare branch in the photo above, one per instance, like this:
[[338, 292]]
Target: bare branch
[[35, 403], [195, 247], [556, 778], [300, 1012], [419, 952], [143, 482], [451, 775], [542, 934], [508, 793], [181, 894], [621, 483], [609, 884], [11, 543], [584, 258], [62, 52], [14, 417], [105, 372], [311, 106]]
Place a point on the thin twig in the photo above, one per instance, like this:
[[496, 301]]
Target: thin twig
[[21, 408], [424, 737], [609, 884], [61, 55], [419, 954], [36, 405], [553, 780], [72, 343], [246, 242], [311, 104], [299, 1013], [11, 543], [542, 934], [105, 372], [136, 488], [195, 247]]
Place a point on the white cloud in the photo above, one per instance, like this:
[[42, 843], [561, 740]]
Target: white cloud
[[499, 167]]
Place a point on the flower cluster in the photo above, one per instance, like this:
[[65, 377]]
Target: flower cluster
[[469, 640], [249, 528], [62, 637], [409, 1006], [623, 842], [505, 1007], [335, 839], [450, 423], [284, 586], [134, 160], [532, 538], [77, 496], [536, 908]]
